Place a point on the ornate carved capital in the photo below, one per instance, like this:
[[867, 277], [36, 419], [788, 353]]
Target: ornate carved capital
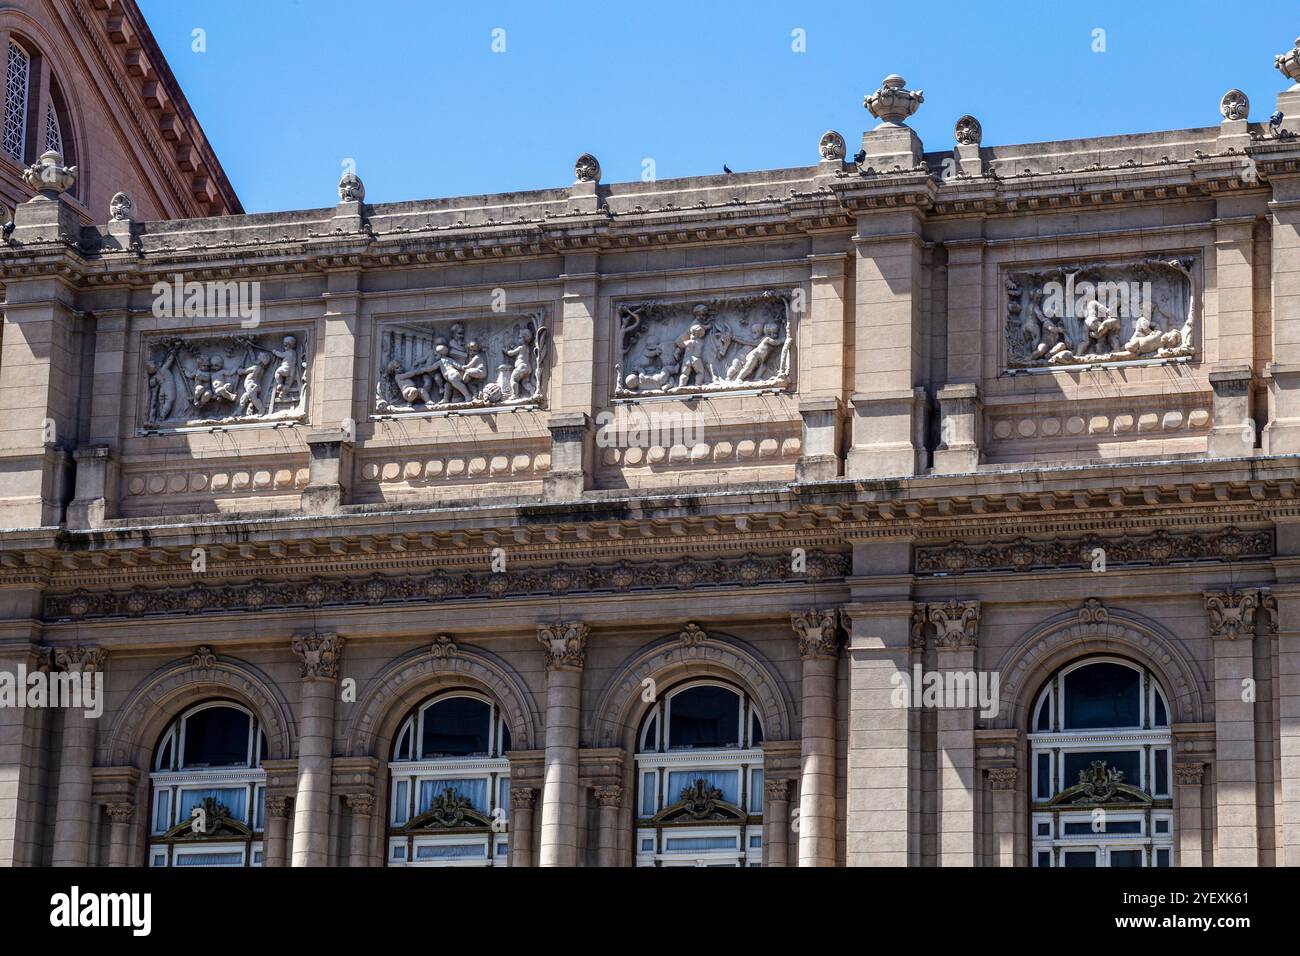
[[956, 623], [362, 803], [609, 796], [1189, 774], [565, 644], [692, 635], [1003, 778], [277, 807], [1232, 613], [79, 660], [320, 653], [523, 798], [119, 812], [777, 789], [443, 647], [818, 632], [204, 657]]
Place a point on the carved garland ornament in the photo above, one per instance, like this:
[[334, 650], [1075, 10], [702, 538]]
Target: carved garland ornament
[[1160, 548], [436, 586]]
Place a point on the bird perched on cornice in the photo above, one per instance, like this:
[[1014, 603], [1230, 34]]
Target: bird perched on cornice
[[859, 157], [1275, 122], [726, 169], [8, 228]]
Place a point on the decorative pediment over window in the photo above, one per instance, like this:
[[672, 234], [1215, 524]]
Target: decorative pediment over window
[[214, 823], [449, 811], [699, 802], [1100, 785]]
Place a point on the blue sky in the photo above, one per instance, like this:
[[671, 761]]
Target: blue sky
[[413, 92]]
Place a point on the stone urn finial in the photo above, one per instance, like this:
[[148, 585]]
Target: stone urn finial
[[1288, 64], [832, 145], [968, 131], [48, 175], [893, 103], [351, 188], [586, 169], [1235, 105], [121, 208]]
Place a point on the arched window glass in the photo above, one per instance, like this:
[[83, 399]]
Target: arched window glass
[[699, 772], [208, 800], [1101, 765], [449, 784], [18, 71]]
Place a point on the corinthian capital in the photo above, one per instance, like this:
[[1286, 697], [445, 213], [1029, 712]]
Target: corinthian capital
[[1232, 613], [609, 796], [320, 653], [79, 660], [565, 644], [956, 623], [818, 632]]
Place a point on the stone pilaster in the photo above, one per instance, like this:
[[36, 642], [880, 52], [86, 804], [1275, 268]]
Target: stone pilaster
[[1008, 836], [818, 633], [23, 759], [572, 441], [776, 822], [522, 801], [565, 646], [960, 429], [1232, 626], [96, 486], [822, 354], [72, 822], [1283, 610], [1189, 778], [610, 799], [889, 409], [956, 636], [1282, 374], [277, 828], [362, 806], [320, 653], [880, 806], [822, 419], [119, 832], [329, 471]]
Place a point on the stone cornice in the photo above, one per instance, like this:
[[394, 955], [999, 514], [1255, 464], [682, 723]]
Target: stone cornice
[[933, 511], [155, 101]]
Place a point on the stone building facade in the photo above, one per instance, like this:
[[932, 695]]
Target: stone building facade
[[909, 508], [87, 79]]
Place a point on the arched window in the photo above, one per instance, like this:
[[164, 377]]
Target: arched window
[[209, 792], [699, 768], [36, 116], [56, 112], [1101, 755], [18, 75], [449, 784]]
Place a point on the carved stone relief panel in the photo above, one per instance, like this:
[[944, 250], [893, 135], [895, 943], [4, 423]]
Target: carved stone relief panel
[[1084, 314], [703, 345], [462, 363], [227, 378]]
